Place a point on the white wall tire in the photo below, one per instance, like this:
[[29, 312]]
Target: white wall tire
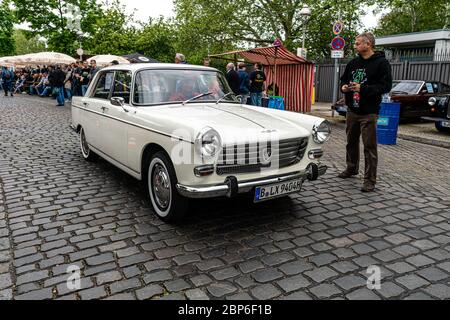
[[167, 203], [86, 151]]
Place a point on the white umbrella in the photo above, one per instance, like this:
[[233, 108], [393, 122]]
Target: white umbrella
[[47, 58], [8, 61], [106, 59]]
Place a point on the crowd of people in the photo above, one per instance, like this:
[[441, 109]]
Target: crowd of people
[[64, 82], [59, 82]]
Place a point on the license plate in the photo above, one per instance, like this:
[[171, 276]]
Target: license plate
[[445, 124], [277, 190]]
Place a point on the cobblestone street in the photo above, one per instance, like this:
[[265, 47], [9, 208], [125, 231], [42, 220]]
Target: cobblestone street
[[57, 210]]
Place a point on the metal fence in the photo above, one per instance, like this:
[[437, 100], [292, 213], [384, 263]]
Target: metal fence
[[407, 70]]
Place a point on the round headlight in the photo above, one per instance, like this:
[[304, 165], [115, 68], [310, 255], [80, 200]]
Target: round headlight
[[322, 132], [432, 101], [208, 143]]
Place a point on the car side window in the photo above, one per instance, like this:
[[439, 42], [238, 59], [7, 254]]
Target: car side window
[[429, 87], [104, 84], [122, 85]]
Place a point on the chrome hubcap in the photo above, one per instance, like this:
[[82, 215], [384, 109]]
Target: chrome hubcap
[[161, 186]]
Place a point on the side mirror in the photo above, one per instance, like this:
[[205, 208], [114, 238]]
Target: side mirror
[[118, 101]]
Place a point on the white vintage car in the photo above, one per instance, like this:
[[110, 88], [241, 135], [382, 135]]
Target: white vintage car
[[181, 130]]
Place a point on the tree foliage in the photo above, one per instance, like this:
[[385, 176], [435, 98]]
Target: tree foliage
[[157, 39], [114, 32], [7, 19], [26, 44], [413, 16], [240, 23], [48, 18]]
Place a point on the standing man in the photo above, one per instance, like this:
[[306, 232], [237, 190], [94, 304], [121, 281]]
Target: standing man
[[257, 79], [244, 82], [365, 80], [84, 80], [233, 78], [58, 81], [94, 70], [8, 78]]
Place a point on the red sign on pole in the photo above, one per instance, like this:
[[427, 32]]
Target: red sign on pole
[[338, 43], [277, 43]]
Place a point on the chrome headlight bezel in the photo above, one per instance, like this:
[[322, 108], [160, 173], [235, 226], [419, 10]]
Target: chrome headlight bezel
[[432, 101], [321, 132], [208, 143]]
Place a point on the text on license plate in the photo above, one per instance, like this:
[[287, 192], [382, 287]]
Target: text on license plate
[[276, 190]]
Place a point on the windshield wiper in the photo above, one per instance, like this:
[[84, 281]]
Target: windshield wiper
[[224, 97], [197, 97]]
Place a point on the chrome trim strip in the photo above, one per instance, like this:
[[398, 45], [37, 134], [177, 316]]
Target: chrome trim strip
[[134, 125]]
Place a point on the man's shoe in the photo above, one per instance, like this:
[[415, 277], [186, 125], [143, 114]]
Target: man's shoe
[[347, 175], [368, 188]]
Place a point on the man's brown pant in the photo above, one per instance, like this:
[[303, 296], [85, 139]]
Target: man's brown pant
[[365, 125]]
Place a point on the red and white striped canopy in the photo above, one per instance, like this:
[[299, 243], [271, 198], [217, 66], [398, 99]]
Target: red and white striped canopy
[[294, 75]]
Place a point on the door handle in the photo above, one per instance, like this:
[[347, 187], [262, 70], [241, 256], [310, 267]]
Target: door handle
[[85, 104], [104, 109]]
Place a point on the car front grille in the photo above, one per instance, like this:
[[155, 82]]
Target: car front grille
[[240, 159]]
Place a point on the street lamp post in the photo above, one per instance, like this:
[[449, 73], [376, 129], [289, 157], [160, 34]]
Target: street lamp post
[[305, 13]]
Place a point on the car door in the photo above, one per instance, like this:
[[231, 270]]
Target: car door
[[93, 103], [115, 132]]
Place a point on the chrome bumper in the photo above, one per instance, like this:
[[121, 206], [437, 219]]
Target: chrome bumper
[[230, 188]]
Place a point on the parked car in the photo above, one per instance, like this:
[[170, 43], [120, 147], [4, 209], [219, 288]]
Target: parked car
[[412, 95], [440, 110], [181, 130]]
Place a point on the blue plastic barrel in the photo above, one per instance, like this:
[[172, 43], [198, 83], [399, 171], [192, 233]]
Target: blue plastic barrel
[[276, 103], [388, 122]]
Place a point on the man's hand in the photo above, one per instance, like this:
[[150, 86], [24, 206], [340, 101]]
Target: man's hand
[[346, 89], [355, 87]]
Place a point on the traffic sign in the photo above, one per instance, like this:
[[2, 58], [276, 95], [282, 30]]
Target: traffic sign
[[337, 54], [338, 27], [277, 43], [80, 52], [338, 43]]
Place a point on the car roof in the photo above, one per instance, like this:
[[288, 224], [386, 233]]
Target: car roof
[[149, 66]]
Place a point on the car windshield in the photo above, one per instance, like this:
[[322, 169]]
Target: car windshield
[[155, 87], [410, 87]]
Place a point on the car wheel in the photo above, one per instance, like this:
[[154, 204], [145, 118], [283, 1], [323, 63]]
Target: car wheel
[[440, 128], [87, 153], [167, 203]]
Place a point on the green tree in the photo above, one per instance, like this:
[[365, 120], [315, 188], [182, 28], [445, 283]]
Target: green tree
[[27, 44], [221, 24], [158, 39], [114, 32], [7, 19], [413, 16], [52, 19]]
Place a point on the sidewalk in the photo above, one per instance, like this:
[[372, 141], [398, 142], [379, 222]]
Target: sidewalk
[[423, 132]]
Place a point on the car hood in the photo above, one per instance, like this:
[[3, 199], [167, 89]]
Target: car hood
[[232, 121]]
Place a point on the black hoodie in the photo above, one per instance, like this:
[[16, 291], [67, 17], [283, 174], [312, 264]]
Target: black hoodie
[[375, 76]]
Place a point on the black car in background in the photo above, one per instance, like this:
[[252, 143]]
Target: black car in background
[[440, 110]]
